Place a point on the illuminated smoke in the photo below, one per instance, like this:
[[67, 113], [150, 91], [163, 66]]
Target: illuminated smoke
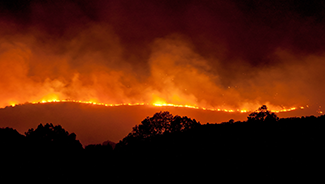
[[107, 59]]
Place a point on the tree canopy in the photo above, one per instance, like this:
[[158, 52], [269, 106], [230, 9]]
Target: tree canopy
[[261, 115], [52, 137], [161, 123]]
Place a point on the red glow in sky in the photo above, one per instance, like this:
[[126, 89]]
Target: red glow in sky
[[208, 54]]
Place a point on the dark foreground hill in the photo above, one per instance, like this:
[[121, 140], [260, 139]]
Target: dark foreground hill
[[166, 148], [95, 124], [284, 151]]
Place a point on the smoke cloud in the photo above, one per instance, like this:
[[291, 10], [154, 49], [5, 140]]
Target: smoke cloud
[[227, 54]]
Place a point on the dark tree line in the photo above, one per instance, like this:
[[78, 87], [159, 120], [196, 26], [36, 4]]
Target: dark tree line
[[160, 124], [166, 148]]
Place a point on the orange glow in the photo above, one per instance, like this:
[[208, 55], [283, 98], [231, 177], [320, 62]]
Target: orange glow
[[172, 81], [95, 58], [160, 104]]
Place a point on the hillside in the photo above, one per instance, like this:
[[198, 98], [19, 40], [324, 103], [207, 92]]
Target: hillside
[[95, 124]]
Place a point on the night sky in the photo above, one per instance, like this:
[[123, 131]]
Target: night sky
[[230, 54]]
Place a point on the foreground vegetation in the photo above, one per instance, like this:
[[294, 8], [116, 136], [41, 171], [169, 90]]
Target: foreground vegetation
[[164, 148]]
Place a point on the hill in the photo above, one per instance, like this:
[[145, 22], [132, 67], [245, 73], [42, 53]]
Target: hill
[[94, 124]]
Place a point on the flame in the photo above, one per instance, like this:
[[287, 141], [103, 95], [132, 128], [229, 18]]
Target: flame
[[13, 104], [156, 102], [173, 81], [159, 104]]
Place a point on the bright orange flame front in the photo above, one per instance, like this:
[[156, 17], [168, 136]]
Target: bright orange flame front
[[158, 103]]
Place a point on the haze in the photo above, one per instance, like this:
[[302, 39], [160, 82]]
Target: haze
[[211, 54]]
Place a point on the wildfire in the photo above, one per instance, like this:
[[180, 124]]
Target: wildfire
[[159, 104]]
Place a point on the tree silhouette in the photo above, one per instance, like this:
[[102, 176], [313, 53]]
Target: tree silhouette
[[161, 123], [98, 149], [10, 137], [12, 144], [53, 138], [51, 149], [261, 115]]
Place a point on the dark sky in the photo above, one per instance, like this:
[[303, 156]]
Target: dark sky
[[231, 53]]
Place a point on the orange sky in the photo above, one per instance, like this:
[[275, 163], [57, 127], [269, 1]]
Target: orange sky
[[211, 54]]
